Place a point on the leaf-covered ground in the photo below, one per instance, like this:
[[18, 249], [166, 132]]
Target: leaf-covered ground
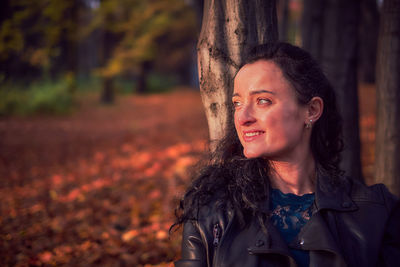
[[98, 188]]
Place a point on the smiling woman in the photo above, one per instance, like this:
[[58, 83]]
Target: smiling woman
[[272, 193], [270, 123]]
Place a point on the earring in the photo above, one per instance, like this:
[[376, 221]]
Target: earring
[[309, 124]]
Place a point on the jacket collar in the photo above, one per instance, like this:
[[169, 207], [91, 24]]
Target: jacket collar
[[334, 195], [316, 234], [329, 194]]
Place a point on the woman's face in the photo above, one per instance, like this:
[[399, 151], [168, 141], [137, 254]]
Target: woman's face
[[269, 120]]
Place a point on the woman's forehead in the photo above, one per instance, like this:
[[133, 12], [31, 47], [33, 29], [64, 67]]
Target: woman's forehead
[[262, 64], [260, 75]]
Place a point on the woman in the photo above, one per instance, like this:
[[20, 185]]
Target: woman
[[273, 193]]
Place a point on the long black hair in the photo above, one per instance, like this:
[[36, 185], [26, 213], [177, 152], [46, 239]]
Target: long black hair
[[229, 178]]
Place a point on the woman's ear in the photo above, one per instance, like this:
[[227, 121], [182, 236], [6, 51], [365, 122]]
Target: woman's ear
[[315, 108]]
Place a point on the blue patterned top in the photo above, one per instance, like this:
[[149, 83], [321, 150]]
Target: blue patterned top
[[289, 213]]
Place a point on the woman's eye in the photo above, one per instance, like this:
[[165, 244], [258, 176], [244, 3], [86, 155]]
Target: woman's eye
[[263, 101], [236, 104]]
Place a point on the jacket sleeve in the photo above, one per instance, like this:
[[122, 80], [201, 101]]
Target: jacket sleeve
[[390, 249], [193, 250]]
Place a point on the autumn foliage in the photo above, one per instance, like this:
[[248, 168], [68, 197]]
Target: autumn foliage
[[98, 188]]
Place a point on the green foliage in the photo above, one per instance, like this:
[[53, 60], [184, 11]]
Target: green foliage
[[40, 98], [88, 84], [38, 32], [159, 83], [124, 85], [158, 31], [130, 38]]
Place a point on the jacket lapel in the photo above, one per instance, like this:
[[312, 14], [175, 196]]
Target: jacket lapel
[[317, 235], [318, 239], [272, 243], [334, 195]]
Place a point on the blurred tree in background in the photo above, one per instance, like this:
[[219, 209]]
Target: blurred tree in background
[[330, 34], [37, 38], [41, 40], [143, 36]]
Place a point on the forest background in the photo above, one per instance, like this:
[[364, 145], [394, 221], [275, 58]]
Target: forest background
[[101, 121]]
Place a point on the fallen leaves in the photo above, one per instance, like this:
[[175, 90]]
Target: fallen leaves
[[129, 235], [102, 197]]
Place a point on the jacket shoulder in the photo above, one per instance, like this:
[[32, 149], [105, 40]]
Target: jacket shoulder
[[377, 193]]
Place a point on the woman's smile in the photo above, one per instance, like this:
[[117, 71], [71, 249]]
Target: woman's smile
[[252, 135]]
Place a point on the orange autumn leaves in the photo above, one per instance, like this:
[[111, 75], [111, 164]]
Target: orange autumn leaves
[[122, 217], [112, 205]]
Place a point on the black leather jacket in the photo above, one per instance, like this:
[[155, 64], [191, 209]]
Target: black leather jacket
[[351, 225]]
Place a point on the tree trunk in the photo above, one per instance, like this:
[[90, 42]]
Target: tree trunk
[[369, 28], [107, 94], [333, 41], [107, 45], [387, 155], [141, 86], [283, 20], [229, 28], [312, 26]]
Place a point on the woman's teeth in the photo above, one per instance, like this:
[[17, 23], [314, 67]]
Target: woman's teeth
[[253, 133]]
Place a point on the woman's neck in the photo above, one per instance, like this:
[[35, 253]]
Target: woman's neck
[[297, 177]]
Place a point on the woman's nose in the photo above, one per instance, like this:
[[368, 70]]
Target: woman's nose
[[245, 116]]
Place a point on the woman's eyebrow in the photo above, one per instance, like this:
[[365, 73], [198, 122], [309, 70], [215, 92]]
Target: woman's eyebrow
[[255, 92]]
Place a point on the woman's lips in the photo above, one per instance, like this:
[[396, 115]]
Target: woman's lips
[[249, 136]]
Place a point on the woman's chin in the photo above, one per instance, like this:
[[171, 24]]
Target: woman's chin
[[251, 154]]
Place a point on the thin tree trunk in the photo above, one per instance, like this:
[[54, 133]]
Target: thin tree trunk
[[387, 155], [141, 86], [333, 41], [284, 20], [229, 28], [369, 28], [107, 94], [312, 26], [106, 48]]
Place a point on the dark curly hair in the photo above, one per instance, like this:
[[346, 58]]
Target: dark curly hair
[[229, 178]]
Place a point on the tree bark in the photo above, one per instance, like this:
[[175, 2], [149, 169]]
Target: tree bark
[[283, 20], [229, 28], [387, 155], [312, 26], [107, 45], [369, 28], [333, 40], [107, 94], [141, 86]]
